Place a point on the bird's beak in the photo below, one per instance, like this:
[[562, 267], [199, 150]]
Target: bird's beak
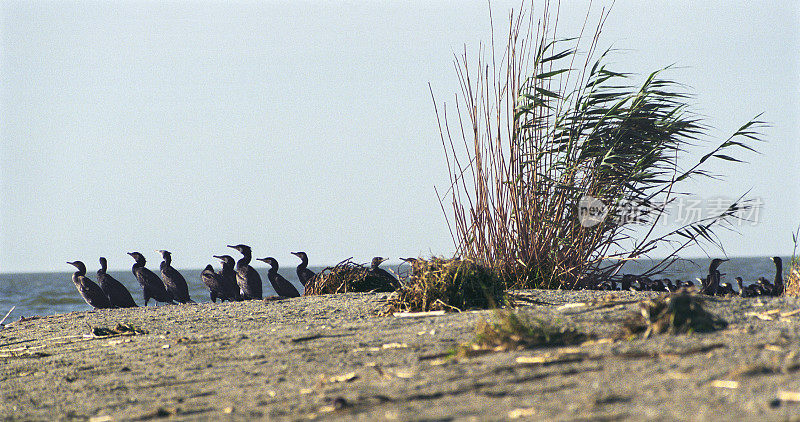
[[233, 247], [384, 260], [217, 256], [261, 259], [130, 253]]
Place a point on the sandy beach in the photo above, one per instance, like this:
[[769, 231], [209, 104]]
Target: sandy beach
[[334, 357]]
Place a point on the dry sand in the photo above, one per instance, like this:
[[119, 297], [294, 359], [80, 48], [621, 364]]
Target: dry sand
[[332, 357]]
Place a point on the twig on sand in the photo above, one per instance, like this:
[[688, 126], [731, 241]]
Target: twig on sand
[[7, 314]]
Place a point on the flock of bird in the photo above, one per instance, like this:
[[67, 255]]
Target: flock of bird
[[241, 282], [709, 285]]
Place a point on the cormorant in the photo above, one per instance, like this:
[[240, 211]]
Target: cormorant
[[711, 283], [173, 280], [627, 282], [91, 292], [152, 286], [765, 286], [375, 271], [117, 294], [778, 276], [281, 285], [228, 274], [746, 291], [214, 283], [246, 276], [303, 273], [725, 289], [658, 285]]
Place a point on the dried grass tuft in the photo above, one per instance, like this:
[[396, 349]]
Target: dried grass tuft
[[517, 331], [677, 313], [120, 330], [447, 284], [346, 277], [792, 287]]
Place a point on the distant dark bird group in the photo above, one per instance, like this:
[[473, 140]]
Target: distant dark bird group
[[710, 285], [235, 281]]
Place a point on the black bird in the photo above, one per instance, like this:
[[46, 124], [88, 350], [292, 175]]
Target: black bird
[[228, 274], [627, 282], [152, 286], [214, 283], [246, 276], [765, 286], [778, 290], [117, 294], [747, 291], [376, 271], [711, 283], [91, 292], [173, 280], [725, 289], [281, 285], [303, 273]]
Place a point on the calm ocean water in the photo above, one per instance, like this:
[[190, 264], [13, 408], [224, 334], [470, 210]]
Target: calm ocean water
[[54, 293]]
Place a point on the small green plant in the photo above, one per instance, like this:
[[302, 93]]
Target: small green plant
[[676, 313], [514, 330], [346, 277], [447, 284]]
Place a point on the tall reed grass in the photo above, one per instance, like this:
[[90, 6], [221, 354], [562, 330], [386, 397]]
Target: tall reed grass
[[543, 133]]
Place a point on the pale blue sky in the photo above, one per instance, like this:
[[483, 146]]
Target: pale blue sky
[[309, 126]]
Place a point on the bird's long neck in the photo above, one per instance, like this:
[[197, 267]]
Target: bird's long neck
[[103, 267], [778, 272], [304, 262], [245, 260], [139, 264], [167, 260], [79, 273]]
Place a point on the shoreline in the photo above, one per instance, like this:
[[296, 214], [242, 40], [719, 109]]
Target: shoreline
[[331, 356]]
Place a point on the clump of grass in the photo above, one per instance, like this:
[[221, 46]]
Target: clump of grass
[[516, 331], [345, 277], [119, 330], [793, 281], [677, 313], [447, 284], [792, 285], [555, 159]]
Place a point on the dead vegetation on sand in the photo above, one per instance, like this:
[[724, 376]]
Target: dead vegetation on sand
[[676, 313], [447, 284], [513, 330], [347, 277]]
